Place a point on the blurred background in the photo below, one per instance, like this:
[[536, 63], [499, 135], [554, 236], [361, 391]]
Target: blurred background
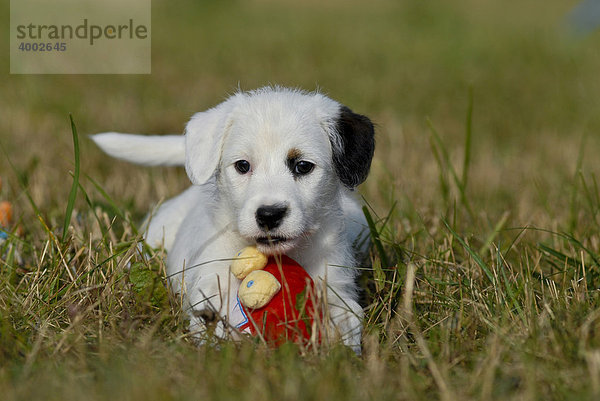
[[409, 65]]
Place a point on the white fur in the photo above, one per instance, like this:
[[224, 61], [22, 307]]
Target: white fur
[[210, 222]]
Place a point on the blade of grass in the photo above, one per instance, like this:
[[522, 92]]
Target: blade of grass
[[559, 255], [573, 202], [444, 186], [107, 197], [468, 135], [495, 232], [590, 195], [445, 157], [471, 252], [73, 193], [115, 208], [587, 250], [375, 237], [507, 284], [596, 193]]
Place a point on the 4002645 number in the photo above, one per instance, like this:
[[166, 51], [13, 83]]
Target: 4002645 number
[[43, 47]]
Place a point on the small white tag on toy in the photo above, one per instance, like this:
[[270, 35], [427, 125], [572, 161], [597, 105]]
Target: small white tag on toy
[[237, 317]]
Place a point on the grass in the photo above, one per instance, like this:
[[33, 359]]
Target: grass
[[483, 203]]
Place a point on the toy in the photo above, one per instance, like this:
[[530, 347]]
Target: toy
[[258, 289], [5, 214], [248, 260], [7, 228], [280, 303]]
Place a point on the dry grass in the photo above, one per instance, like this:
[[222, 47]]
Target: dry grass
[[484, 283]]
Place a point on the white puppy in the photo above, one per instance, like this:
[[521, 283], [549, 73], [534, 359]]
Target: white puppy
[[275, 168]]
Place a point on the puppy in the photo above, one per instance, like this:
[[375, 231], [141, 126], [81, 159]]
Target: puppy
[[275, 168]]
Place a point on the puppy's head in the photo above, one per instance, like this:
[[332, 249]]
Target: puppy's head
[[281, 158]]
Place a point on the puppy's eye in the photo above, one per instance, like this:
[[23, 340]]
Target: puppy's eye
[[242, 166], [303, 167]]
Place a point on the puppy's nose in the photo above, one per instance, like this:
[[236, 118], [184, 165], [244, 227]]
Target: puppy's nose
[[270, 216]]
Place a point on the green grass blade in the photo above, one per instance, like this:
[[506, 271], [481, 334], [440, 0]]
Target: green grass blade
[[573, 202], [587, 250], [497, 228], [507, 284], [444, 154], [73, 193], [116, 209], [471, 252], [559, 255], [591, 195], [468, 136], [444, 187], [375, 237], [596, 193], [445, 157]]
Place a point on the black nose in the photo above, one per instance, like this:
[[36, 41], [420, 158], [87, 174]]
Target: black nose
[[269, 217]]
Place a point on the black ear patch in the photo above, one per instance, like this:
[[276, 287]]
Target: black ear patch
[[353, 154]]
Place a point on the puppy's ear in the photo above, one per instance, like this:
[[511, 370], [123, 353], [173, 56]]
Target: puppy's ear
[[353, 144], [204, 135]]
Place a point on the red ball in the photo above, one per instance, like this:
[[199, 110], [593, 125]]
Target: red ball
[[291, 314]]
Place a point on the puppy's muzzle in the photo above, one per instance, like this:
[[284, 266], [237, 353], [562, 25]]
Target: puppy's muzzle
[[269, 217]]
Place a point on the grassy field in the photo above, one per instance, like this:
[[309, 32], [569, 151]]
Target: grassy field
[[486, 257]]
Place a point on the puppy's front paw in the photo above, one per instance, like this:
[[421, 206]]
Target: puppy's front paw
[[209, 299], [347, 320], [208, 293], [208, 316]]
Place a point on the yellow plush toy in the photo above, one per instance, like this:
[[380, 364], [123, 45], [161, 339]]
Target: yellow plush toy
[[258, 287], [248, 260]]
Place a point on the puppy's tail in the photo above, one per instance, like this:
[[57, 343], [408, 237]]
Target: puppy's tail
[[163, 150]]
